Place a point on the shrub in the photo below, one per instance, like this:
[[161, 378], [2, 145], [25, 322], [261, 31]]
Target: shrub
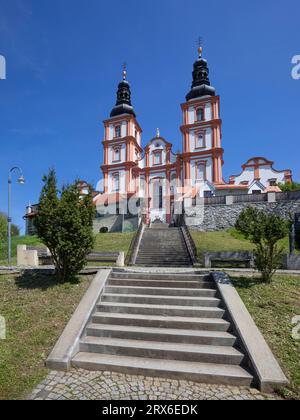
[[264, 230], [64, 223], [293, 186]]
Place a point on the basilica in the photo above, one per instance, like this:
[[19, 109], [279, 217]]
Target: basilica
[[157, 174]]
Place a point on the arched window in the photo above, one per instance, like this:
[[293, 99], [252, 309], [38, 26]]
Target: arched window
[[117, 131], [157, 195], [200, 114], [157, 158], [116, 182], [201, 171], [117, 154], [200, 141]]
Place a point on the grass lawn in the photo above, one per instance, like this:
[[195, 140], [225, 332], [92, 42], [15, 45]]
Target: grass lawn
[[19, 240], [227, 240], [113, 242], [273, 307], [108, 242], [36, 309]]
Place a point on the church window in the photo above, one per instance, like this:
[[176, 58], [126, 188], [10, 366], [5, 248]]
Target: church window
[[200, 114], [116, 182], [158, 195], [157, 158], [117, 131], [273, 182], [200, 141], [201, 171], [116, 154]]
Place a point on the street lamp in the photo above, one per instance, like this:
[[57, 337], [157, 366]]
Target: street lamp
[[21, 180]]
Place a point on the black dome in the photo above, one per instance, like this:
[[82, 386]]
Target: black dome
[[201, 84], [123, 104]]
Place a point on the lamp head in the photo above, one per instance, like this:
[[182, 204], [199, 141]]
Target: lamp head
[[21, 180]]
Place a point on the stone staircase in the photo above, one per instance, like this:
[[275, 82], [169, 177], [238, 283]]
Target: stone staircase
[[168, 325], [162, 246]]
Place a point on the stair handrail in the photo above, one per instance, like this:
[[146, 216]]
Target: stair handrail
[[189, 241], [135, 244]]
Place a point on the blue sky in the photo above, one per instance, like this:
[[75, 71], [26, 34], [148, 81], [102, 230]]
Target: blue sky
[[64, 60]]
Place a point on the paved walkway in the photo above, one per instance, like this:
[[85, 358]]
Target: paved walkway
[[86, 385]]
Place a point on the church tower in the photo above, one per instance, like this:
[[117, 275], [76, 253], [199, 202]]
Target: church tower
[[122, 144], [201, 129]]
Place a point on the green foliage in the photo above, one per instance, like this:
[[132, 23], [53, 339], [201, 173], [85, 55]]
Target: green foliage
[[293, 186], [264, 230], [15, 231], [64, 223]]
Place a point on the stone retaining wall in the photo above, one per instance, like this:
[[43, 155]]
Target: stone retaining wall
[[220, 217]]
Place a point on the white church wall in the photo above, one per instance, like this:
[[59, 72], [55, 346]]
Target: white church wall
[[267, 173], [247, 175], [110, 132], [191, 115], [208, 112], [124, 129]]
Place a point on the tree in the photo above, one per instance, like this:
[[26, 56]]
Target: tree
[[264, 230], [15, 230], [293, 186], [64, 223]]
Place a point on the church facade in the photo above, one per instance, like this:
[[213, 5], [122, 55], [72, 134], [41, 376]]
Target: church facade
[[158, 176]]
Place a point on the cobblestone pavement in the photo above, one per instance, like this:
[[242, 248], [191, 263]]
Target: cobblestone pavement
[[86, 385]]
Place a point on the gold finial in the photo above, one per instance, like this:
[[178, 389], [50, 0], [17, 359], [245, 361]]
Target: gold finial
[[200, 46], [124, 71]]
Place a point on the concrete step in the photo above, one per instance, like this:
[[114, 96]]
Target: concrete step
[[163, 258], [162, 350], [166, 310], [168, 291], [157, 321], [163, 265], [161, 283], [160, 276], [170, 335], [191, 371], [166, 256], [157, 252], [161, 300]]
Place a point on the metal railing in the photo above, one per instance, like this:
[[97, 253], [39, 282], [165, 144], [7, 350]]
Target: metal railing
[[253, 198], [189, 241], [134, 245], [250, 198], [215, 200], [288, 196]]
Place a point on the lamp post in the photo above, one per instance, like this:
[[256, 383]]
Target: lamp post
[[21, 180]]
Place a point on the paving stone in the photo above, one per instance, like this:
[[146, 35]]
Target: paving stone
[[86, 385]]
